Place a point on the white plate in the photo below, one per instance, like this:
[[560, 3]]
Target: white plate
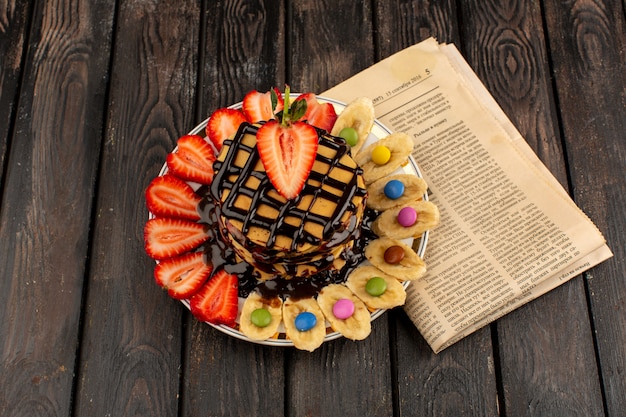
[[379, 131]]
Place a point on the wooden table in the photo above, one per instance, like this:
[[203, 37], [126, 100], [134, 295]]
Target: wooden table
[[95, 93]]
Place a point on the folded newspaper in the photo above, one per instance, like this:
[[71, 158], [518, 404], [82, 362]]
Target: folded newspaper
[[509, 231]]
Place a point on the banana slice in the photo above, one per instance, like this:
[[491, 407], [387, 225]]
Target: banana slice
[[359, 115], [309, 339], [392, 296], [395, 258], [414, 189], [336, 300], [254, 302], [387, 224], [399, 145]]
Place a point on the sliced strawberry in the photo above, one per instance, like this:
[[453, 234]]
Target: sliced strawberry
[[321, 115], [257, 106], [183, 275], [217, 302], [165, 237], [222, 124], [169, 196], [287, 154], [193, 160]]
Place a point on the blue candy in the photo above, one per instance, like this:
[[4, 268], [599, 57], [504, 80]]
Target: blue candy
[[394, 189], [305, 321]]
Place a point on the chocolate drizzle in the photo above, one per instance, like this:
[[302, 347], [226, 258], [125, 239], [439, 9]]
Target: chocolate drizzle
[[289, 218], [220, 255], [241, 192]]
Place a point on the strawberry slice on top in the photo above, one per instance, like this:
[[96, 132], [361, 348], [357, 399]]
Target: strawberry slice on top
[[257, 106], [193, 160], [321, 115], [288, 149], [183, 275], [222, 124], [169, 196], [217, 301]]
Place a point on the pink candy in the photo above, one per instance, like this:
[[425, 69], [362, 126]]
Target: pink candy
[[343, 309], [407, 216]]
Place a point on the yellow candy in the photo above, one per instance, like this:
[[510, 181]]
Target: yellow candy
[[381, 155]]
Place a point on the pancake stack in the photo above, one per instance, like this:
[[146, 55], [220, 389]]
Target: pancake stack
[[296, 238]]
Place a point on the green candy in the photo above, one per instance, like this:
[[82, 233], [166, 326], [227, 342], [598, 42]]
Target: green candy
[[376, 286], [261, 317], [349, 135]]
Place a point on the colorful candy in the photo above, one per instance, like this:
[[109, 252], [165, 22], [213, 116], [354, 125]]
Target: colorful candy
[[381, 155], [394, 254], [376, 286], [261, 317], [407, 216], [394, 189], [343, 309], [350, 135], [305, 321]]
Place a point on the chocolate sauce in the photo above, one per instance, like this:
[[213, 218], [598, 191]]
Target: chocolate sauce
[[232, 179], [221, 255]]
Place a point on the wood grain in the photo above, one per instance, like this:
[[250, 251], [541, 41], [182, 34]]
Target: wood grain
[[131, 353], [586, 41], [404, 23], [329, 42], [243, 49], [44, 228], [14, 19]]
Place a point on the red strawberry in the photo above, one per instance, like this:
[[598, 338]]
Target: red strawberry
[[169, 196], [288, 149], [321, 115], [258, 106], [223, 123], [183, 275], [165, 237], [193, 160], [217, 302]]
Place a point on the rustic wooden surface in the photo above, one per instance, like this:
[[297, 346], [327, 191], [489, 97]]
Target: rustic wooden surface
[[94, 94]]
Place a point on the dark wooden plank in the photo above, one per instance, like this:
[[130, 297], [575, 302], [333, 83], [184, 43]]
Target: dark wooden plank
[[403, 23], [242, 50], [460, 380], [47, 204], [587, 41], [131, 354], [331, 41], [14, 22], [506, 46]]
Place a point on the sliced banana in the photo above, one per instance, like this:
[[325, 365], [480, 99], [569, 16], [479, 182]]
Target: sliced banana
[[405, 264], [253, 302], [306, 340], [393, 296], [355, 327], [387, 225], [400, 146], [359, 115], [414, 189]]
